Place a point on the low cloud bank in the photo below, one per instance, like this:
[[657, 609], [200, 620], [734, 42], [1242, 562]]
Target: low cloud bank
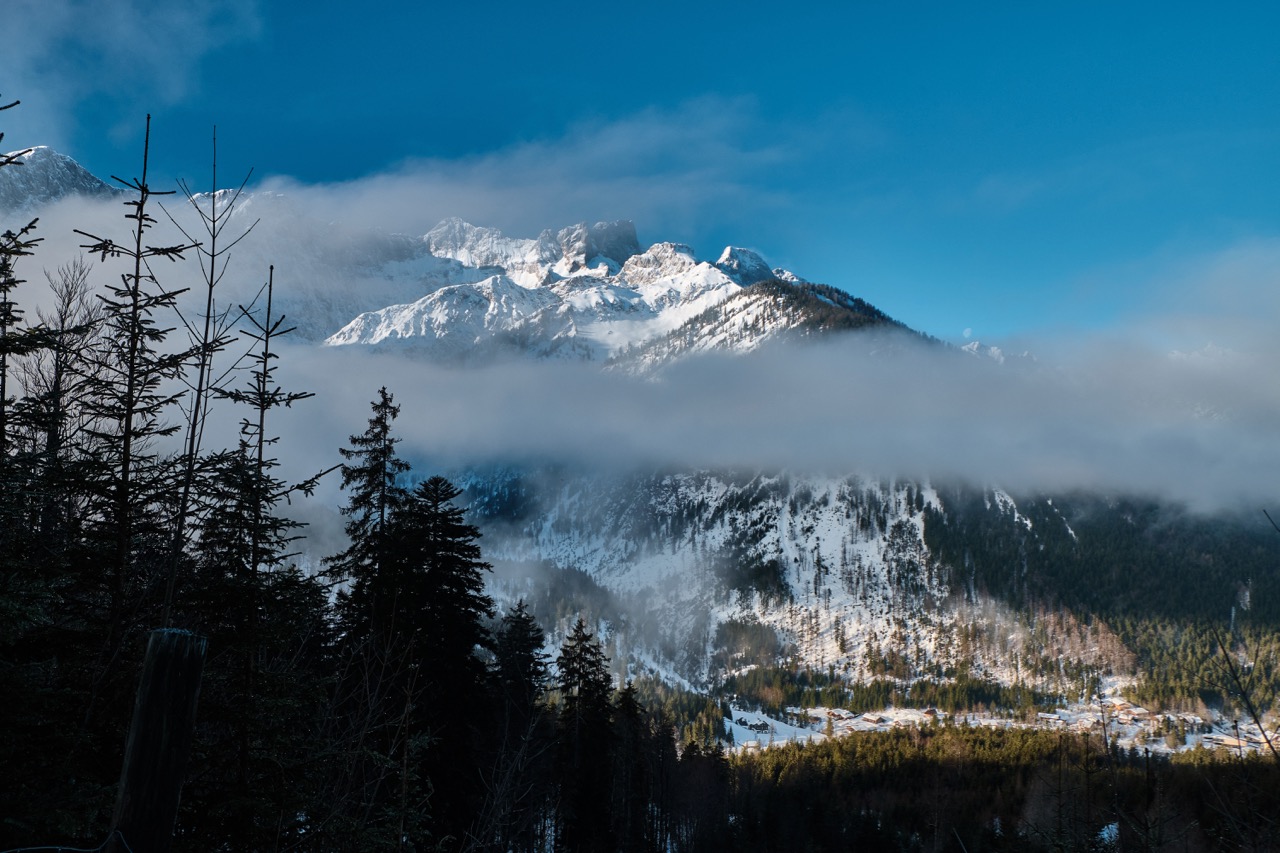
[[1180, 402], [1201, 431]]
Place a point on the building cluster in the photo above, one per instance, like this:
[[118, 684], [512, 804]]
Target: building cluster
[[1123, 723]]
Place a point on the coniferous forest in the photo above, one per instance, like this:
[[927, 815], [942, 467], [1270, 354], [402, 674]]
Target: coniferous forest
[[384, 703]]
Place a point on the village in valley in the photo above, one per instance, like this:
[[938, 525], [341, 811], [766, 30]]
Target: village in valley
[[1121, 723]]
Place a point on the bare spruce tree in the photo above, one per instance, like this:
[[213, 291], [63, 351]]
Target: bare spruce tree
[[208, 336], [267, 625]]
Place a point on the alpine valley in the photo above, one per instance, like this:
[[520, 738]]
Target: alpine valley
[[814, 584]]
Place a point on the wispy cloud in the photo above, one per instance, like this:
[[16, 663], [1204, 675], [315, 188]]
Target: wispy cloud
[[707, 164], [1230, 298], [1180, 401], [1132, 170], [60, 54], [1115, 418]]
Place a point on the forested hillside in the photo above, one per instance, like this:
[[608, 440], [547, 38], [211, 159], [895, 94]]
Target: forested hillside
[[1174, 586]]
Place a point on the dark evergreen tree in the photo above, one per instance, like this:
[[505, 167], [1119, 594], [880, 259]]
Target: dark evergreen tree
[[133, 401], [51, 558], [413, 623], [94, 512], [442, 606], [30, 789], [520, 667], [207, 337], [583, 820], [15, 339], [22, 598], [371, 475], [375, 796], [631, 782], [516, 790], [119, 564], [267, 627]]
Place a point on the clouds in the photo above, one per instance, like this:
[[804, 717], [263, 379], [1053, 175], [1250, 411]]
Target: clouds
[[1230, 298], [65, 57], [1113, 419], [1177, 400], [1180, 401], [707, 165], [908, 158]]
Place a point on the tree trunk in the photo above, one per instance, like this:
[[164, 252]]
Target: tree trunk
[[159, 741]]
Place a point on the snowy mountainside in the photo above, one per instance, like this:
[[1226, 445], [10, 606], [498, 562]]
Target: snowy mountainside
[[577, 249], [836, 568], [876, 579], [769, 310], [454, 315], [42, 176], [588, 292]]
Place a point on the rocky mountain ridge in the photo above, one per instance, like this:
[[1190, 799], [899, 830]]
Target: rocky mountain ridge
[[40, 176], [585, 292], [467, 294]]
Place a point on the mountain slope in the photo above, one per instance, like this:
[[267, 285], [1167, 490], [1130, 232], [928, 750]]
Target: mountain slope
[[875, 578], [837, 569], [772, 310], [583, 293], [42, 176]]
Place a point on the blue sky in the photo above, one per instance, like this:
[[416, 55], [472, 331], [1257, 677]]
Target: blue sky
[[1017, 170]]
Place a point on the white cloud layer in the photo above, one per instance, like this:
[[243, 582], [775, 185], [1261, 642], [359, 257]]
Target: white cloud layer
[[1121, 419], [1180, 402]]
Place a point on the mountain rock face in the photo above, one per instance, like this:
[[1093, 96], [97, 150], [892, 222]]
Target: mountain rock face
[[585, 292], [42, 176], [744, 266], [836, 570], [553, 255], [582, 246], [769, 311]]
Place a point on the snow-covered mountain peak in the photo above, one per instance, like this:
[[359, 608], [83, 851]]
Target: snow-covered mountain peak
[[976, 348], [753, 316], [28, 155], [994, 353], [584, 246], [461, 315], [744, 266], [654, 306], [41, 176], [672, 280], [600, 249], [661, 260], [462, 291], [476, 246], [671, 272]]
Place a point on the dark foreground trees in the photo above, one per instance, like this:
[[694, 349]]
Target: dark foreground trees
[[412, 695]]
